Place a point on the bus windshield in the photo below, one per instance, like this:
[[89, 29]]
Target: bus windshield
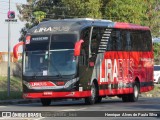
[[50, 58]]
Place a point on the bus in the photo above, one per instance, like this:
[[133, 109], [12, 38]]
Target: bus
[[86, 58]]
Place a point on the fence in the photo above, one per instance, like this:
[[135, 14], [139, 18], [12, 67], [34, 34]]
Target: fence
[[15, 69]]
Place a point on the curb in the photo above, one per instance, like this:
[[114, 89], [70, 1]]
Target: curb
[[18, 101]]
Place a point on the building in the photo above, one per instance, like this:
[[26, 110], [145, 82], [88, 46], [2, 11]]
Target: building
[[4, 57]]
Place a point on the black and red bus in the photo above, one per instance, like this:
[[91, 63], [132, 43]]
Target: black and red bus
[[86, 58]]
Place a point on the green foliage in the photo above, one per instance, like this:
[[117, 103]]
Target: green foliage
[[143, 12], [39, 16], [82, 8], [157, 53], [125, 11], [15, 88]]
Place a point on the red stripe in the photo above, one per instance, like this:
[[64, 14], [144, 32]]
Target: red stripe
[[130, 26], [146, 89], [115, 91], [123, 91], [50, 94]]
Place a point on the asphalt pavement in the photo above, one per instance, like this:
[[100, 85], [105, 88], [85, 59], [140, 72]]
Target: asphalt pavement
[[18, 101]]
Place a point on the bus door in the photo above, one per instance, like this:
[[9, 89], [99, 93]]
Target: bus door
[[85, 72]]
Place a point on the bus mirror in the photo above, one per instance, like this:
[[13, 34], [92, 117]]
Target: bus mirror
[[15, 49], [77, 49]]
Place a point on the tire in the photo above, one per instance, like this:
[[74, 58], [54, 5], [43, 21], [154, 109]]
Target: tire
[[45, 101], [92, 99], [134, 96], [125, 98], [158, 81], [99, 99]]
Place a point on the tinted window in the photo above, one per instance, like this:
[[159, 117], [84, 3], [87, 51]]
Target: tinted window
[[85, 46], [140, 41], [113, 40], [118, 40], [58, 41], [37, 46], [129, 40], [96, 36], [156, 68]]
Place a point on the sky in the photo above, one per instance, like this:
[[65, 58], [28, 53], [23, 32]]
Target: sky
[[15, 27]]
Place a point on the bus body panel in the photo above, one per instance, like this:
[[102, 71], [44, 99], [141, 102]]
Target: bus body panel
[[123, 69]]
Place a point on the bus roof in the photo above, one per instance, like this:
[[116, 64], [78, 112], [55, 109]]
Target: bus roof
[[77, 24]]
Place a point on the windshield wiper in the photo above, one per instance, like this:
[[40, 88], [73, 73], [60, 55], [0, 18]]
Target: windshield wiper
[[54, 66], [40, 69], [35, 74]]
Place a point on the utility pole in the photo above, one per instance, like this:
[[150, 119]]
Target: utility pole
[[9, 44]]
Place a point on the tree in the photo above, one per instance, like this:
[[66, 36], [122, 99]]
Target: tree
[[143, 12], [39, 16], [157, 53], [33, 12], [82, 8], [125, 11], [152, 14]]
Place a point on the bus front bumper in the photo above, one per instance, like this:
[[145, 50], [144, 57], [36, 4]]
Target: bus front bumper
[[50, 94]]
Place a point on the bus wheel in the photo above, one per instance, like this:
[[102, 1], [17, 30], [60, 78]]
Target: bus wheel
[[134, 96], [125, 98], [45, 101], [158, 81], [91, 100], [99, 99]]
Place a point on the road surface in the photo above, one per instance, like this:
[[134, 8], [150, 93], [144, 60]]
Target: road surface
[[105, 110]]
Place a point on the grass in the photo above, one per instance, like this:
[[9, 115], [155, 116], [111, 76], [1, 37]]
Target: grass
[[153, 93], [15, 88]]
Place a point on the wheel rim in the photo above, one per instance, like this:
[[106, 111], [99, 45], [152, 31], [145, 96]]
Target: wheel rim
[[93, 92], [135, 91]]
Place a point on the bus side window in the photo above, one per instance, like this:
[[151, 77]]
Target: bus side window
[[128, 41], [122, 40], [82, 58], [110, 46], [134, 40], [147, 42], [85, 46], [95, 40], [114, 40], [118, 41]]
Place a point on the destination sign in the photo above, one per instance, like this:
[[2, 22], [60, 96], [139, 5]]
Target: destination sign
[[38, 38]]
